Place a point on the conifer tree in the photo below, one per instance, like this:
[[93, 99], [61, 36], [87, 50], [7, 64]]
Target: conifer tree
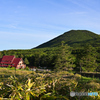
[[64, 59], [26, 61], [88, 61]]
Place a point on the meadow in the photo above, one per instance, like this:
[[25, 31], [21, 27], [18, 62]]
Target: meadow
[[45, 85]]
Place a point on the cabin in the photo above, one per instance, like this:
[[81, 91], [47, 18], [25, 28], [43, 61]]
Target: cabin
[[18, 63]]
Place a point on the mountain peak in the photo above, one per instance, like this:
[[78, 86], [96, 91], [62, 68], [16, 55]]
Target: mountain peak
[[72, 37]]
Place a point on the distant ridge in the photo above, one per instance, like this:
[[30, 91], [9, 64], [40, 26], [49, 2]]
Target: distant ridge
[[73, 38]]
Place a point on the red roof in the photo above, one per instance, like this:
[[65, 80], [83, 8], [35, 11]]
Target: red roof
[[10, 60], [7, 59], [16, 61]]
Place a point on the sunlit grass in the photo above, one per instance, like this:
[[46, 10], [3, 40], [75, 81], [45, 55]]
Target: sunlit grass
[[58, 84]]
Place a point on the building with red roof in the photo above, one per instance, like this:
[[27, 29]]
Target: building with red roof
[[5, 61]]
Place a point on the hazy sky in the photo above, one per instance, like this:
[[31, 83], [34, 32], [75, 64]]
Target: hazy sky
[[25, 24]]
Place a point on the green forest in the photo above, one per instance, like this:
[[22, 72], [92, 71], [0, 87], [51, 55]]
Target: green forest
[[68, 56]]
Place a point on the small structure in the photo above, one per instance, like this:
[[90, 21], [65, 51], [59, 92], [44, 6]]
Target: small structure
[[6, 61], [32, 68]]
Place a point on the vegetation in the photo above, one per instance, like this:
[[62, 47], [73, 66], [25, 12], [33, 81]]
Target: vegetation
[[88, 61], [82, 54], [28, 85], [76, 58], [74, 38], [64, 59]]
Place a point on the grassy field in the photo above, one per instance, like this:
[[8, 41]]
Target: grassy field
[[30, 85]]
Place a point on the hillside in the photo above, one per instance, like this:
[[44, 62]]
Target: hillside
[[74, 38]]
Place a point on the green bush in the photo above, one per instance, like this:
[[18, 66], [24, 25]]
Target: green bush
[[9, 66], [29, 85], [27, 68], [13, 68]]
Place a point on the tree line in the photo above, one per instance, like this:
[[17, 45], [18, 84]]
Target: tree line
[[64, 57]]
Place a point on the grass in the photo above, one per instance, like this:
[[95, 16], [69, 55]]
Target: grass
[[52, 84]]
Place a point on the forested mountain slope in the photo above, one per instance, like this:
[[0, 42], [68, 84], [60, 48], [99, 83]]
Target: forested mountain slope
[[74, 38], [48, 53]]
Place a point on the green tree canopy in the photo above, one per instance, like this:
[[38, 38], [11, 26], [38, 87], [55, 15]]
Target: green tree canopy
[[26, 61], [88, 61], [65, 59]]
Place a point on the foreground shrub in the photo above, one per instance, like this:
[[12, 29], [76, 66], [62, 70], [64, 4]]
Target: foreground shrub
[[28, 85]]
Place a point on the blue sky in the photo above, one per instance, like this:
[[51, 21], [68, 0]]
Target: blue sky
[[25, 24]]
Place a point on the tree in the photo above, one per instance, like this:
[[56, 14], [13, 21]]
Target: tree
[[88, 61], [21, 56], [26, 61], [65, 59], [98, 61], [1, 55], [44, 60], [37, 57]]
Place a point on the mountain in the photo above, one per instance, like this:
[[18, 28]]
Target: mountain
[[74, 38]]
